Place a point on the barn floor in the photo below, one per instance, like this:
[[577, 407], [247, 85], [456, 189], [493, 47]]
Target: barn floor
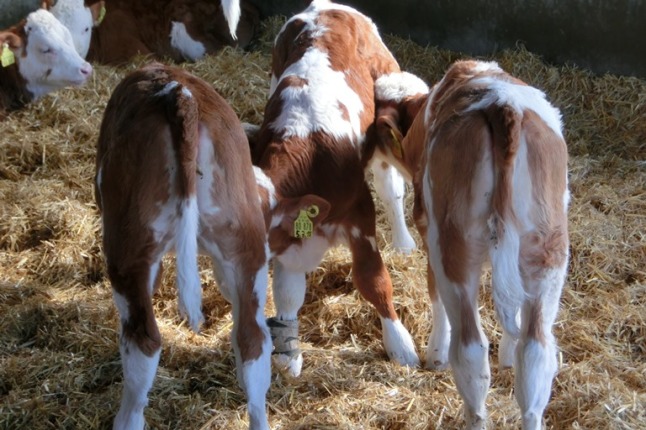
[[59, 360]]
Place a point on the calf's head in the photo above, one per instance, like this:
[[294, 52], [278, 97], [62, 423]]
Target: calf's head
[[289, 219], [44, 53], [79, 18], [399, 98]]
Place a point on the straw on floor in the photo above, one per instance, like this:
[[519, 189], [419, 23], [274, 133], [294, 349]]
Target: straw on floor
[[59, 360]]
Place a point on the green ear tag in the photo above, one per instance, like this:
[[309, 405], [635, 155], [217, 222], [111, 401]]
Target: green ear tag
[[397, 149], [303, 227], [7, 58], [101, 16]]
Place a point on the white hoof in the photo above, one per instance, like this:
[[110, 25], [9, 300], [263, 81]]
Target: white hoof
[[436, 360], [291, 365], [399, 343], [403, 242], [437, 351]]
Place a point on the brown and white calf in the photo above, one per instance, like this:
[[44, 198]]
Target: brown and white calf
[[80, 17], [324, 65], [174, 173], [177, 29], [488, 161], [38, 57]]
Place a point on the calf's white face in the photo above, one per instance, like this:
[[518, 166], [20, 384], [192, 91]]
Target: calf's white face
[[50, 61], [79, 21]]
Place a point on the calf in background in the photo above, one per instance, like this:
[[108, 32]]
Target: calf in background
[[182, 30], [488, 161], [80, 17], [37, 57]]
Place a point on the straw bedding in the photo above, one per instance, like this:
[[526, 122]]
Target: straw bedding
[[59, 361]]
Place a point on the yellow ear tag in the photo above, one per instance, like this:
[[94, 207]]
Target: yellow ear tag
[[397, 149], [303, 227], [101, 16], [7, 58]]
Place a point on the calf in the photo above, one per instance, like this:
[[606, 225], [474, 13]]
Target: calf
[[79, 16], [311, 142], [37, 57], [173, 172], [177, 29], [488, 161]]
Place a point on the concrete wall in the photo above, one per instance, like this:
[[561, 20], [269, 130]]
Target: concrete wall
[[600, 35], [12, 11]]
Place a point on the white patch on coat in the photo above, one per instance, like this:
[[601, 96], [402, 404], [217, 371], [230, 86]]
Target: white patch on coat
[[306, 256], [121, 303], [315, 106], [50, 61], [265, 182], [207, 164], [520, 98], [99, 181], [355, 232], [398, 86], [487, 66], [167, 88], [190, 48]]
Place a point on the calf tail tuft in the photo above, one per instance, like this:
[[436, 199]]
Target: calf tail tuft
[[508, 291], [184, 123], [231, 9]]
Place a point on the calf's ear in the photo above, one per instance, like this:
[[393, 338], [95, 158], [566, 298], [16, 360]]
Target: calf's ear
[[389, 132], [12, 40], [9, 42], [98, 12]]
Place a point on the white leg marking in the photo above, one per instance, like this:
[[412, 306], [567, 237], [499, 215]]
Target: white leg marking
[[289, 291], [470, 364], [536, 363], [256, 374], [289, 294], [437, 351], [138, 375], [391, 187], [535, 369], [122, 306], [399, 343], [152, 277], [506, 350]]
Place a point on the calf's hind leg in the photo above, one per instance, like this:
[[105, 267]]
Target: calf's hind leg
[[139, 344], [536, 362]]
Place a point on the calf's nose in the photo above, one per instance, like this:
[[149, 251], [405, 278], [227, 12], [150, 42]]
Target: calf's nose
[[86, 69]]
